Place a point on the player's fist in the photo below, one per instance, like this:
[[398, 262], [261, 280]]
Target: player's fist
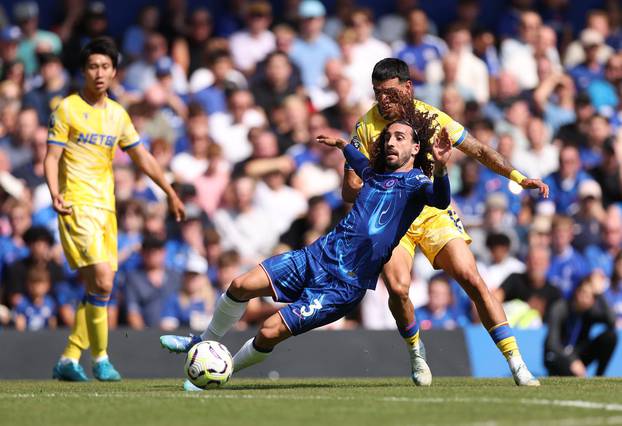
[[441, 149], [536, 184], [176, 207], [60, 206], [327, 140]]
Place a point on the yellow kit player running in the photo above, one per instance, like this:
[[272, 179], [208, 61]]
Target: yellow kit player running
[[84, 132], [438, 233]]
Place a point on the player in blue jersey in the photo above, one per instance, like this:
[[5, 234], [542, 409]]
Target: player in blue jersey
[[324, 281]]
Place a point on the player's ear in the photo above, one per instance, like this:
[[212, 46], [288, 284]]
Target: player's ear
[[415, 149]]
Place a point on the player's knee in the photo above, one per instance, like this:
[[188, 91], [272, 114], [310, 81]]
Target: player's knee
[[398, 285], [470, 279], [268, 334], [237, 289]]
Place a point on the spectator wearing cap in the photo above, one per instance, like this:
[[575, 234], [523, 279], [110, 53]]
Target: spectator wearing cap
[[596, 21], [591, 68], [36, 309], [600, 257], [189, 240], [39, 242], [193, 305], [501, 264], [9, 41], [564, 183], [141, 74], [54, 86], [532, 285], [608, 174], [312, 48], [34, 40], [589, 216], [251, 44], [568, 266], [147, 287]]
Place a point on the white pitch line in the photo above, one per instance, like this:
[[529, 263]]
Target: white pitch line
[[588, 405]]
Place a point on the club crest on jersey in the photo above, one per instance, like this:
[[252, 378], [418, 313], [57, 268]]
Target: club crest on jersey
[[356, 142], [390, 183], [52, 121]]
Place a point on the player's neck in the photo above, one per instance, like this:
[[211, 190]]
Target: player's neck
[[94, 99]]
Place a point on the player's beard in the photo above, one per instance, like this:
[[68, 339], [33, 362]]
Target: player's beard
[[401, 162]]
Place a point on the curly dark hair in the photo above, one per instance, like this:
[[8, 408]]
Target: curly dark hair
[[424, 126]]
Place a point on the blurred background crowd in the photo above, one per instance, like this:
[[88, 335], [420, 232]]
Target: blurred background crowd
[[229, 96]]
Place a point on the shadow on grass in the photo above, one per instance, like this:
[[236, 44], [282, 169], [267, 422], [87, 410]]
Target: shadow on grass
[[286, 385]]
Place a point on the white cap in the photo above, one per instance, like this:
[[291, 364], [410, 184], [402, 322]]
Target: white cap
[[196, 264]]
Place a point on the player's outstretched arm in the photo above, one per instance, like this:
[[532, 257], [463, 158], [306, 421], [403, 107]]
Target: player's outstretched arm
[[354, 157], [50, 167], [499, 164], [148, 165], [439, 193]]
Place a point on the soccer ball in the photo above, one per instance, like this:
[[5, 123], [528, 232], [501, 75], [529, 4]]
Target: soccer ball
[[209, 364]]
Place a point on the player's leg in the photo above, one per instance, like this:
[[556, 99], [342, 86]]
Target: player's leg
[[458, 261], [272, 332], [397, 278], [230, 307], [99, 279], [68, 367]]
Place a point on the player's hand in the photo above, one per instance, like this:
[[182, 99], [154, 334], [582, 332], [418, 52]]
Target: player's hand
[[176, 208], [327, 140], [536, 184], [578, 368], [60, 205], [441, 149]]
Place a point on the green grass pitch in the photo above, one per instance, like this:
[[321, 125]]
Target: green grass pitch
[[318, 402]]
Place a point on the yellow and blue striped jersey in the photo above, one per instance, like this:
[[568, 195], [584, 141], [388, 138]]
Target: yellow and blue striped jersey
[[89, 137], [369, 126]]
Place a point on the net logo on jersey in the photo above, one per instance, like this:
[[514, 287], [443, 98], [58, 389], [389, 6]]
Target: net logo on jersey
[[97, 139]]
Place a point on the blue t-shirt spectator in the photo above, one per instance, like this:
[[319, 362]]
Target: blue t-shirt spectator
[[613, 296], [418, 56], [212, 99], [567, 270], [311, 57], [179, 311], [38, 316], [565, 194], [583, 76], [448, 319]]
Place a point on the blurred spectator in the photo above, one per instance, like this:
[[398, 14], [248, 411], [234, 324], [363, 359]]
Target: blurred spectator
[[608, 174], [394, 27], [188, 166], [230, 129], [135, 36], [366, 51], [193, 305], [542, 157], [148, 286], [188, 50], [517, 53], [190, 239], [265, 157], [502, 264], [18, 144], [569, 349], [277, 83], [237, 223], [532, 285], [438, 312], [32, 172], [251, 45], [293, 128], [54, 86], [141, 74], [92, 23], [36, 310], [564, 183], [312, 48], [12, 246], [34, 40], [613, 295], [9, 42], [591, 151], [318, 219], [39, 242], [212, 98], [591, 68], [131, 221], [496, 219], [597, 22], [603, 91], [575, 132], [600, 257], [213, 182], [589, 216], [554, 97], [470, 200], [568, 266]]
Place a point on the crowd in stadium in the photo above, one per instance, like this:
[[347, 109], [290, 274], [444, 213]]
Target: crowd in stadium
[[230, 103]]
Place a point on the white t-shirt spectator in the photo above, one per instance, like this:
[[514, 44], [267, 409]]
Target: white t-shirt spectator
[[283, 205], [248, 50], [187, 167], [495, 274], [233, 137]]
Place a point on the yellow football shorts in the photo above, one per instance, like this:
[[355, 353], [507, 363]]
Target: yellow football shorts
[[432, 230], [89, 236]]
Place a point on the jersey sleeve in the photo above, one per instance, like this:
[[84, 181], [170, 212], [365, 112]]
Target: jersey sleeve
[[358, 162], [129, 137], [58, 126], [357, 140], [457, 132]]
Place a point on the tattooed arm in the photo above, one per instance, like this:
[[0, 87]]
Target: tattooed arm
[[499, 164]]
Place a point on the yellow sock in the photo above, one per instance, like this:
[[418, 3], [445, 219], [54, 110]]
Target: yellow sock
[[413, 340], [504, 339], [79, 337], [97, 323]]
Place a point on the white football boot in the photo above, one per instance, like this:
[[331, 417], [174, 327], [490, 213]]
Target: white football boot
[[421, 374], [520, 372]]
